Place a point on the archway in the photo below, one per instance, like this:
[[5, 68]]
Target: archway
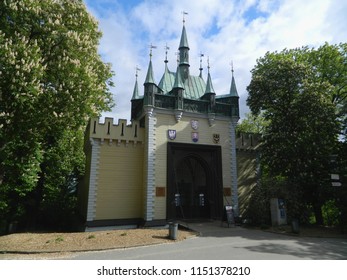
[[192, 176], [194, 182]]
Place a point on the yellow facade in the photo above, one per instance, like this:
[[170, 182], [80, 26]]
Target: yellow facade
[[121, 194], [121, 166]]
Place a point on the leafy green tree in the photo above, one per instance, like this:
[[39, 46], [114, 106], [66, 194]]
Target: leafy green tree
[[252, 124], [296, 98], [52, 80]]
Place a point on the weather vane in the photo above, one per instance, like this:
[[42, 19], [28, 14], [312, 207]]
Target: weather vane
[[137, 69], [151, 47], [166, 49], [232, 67], [184, 13]]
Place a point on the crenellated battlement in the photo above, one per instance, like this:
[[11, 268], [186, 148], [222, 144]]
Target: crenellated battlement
[[115, 132], [248, 141]]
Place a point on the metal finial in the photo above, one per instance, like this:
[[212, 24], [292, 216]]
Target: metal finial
[[151, 47], [137, 69], [166, 49], [184, 13], [201, 56], [208, 64], [232, 67]]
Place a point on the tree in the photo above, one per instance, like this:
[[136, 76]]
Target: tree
[[252, 124], [51, 81], [296, 98]]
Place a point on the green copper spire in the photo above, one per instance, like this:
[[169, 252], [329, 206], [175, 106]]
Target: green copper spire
[[233, 90], [209, 86], [184, 53], [136, 87], [150, 75], [184, 40]]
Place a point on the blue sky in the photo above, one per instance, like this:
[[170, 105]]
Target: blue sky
[[223, 30]]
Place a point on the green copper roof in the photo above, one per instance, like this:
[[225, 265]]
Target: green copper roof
[[194, 87], [233, 90], [167, 81], [184, 40], [209, 86], [136, 91], [178, 80], [150, 76]]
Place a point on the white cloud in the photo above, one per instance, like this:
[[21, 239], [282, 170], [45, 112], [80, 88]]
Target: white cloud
[[224, 30]]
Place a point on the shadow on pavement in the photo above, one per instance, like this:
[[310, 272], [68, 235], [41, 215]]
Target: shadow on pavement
[[255, 240]]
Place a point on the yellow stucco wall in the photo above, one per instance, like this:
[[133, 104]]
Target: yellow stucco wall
[[248, 148], [119, 169], [119, 192]]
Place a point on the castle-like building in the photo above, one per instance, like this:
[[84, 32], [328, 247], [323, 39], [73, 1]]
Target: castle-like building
[[177, 158]]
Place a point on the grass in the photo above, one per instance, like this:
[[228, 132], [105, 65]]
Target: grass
[[59, 239]]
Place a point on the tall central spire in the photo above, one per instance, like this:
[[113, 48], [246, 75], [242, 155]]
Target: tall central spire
[[184, 53]]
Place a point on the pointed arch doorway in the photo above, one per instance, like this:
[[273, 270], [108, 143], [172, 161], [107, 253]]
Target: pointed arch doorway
[[194, 182]]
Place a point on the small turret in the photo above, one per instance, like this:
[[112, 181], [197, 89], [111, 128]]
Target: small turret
[[136, 100], [234, 96], [136, 87], [233, 90], [149, 84], [210, 94], [178, 89]]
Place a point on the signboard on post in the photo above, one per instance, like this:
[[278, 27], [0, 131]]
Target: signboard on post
[[228, 215]]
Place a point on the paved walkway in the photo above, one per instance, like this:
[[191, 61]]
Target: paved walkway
[[218, 242]]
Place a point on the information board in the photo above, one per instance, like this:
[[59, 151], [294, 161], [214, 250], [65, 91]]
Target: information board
[[228, 215]]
